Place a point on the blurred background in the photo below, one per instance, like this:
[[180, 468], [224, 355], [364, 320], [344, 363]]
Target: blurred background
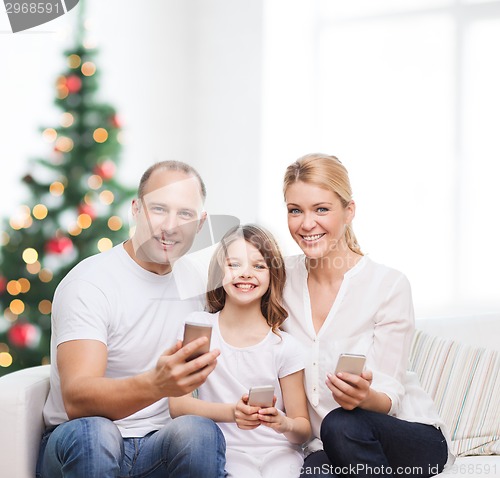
[[404, 92]]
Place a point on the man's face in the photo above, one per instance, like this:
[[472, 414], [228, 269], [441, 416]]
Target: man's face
[[167, 217]]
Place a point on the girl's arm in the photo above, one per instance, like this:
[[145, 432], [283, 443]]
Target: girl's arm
[[188, 405], [245, 416], [295, 424]]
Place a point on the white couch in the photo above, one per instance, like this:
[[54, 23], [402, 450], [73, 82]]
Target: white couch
[[447, 355], [23, 393]]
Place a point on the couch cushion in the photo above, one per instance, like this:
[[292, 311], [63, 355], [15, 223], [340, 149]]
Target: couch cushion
[[464, 382]]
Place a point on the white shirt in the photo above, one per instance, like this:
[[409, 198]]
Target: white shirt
[[238, 369], [372, 315], [135, 313]]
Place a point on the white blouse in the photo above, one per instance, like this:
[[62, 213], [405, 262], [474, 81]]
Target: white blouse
[[372, 315]]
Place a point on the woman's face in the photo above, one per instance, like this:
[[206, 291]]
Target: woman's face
[[317, 219]]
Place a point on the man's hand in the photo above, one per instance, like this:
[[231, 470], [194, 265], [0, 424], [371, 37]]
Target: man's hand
[[174, 377], [87, 392]]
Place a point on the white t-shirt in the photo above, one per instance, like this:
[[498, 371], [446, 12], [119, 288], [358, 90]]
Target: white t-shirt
[[135, 313], [372, 315], [238, 369]]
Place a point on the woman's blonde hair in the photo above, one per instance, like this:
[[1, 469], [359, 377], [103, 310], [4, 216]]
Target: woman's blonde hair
[[271, 302], [326, 172]]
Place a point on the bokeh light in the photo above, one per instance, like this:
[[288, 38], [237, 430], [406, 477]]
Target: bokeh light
[[74, 61], [57, 188], [17, 306], [5, 359], [34, 268], [25, 285], [88, 68], [95, 181], [100, 135], [4, 238], [30, 255], [67, 120], [45, 275], [107, 197], [84, 221], [64, 144], [13, 287], [45, 307], [115, 223], [40, 211], [104, 244], [74, 230], [49, 135]]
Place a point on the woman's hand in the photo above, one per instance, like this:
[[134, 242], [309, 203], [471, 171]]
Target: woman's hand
[[245, 416], [350, 391]]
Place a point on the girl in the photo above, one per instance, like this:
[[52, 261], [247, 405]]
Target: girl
[[340, 301], [246, 280]]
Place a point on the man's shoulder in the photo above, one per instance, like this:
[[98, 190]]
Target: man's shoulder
[[95, 269]]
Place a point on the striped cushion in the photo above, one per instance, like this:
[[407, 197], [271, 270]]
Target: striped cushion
[[464, 382]]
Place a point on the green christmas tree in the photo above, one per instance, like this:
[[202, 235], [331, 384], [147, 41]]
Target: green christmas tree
[[76, 209]]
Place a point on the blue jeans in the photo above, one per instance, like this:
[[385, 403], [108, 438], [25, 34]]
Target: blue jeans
[[368, 444], [188, 446]]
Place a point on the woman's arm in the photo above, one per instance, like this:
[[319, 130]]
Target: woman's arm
[[188, 405], [295, 425], [392, 334]]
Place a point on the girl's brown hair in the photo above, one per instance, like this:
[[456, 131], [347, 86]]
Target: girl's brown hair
[[329, 173], [271, 302]]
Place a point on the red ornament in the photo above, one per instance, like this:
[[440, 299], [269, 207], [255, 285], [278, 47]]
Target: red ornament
[[115, 121], [73, 83], [87, 209], [59, 245], [3, 284], [24, 335], [106, 170]]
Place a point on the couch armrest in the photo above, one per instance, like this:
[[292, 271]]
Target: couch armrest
[[22, 397]]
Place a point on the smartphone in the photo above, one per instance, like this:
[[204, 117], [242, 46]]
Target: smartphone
[[193, 331], [262, 396], [351, 363]]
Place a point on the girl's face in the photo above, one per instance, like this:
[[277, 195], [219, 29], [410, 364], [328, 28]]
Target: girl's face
[[317, 219], [246, 275]]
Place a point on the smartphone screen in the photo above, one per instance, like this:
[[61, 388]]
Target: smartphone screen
[[193, 331], [262, 396]]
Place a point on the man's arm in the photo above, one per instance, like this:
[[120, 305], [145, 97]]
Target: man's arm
[[86, 392]]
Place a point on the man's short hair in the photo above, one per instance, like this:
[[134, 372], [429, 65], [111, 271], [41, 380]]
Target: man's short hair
[[171, 166]]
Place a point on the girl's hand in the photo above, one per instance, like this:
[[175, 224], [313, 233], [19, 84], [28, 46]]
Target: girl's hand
[[245, 416], [348, 390], [272, 418]]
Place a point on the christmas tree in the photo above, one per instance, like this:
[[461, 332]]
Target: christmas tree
[[75, 209]]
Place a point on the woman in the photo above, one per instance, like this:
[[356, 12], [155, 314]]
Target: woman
[[380, 423]]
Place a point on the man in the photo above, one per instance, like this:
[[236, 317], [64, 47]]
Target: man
[[114, 354]]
